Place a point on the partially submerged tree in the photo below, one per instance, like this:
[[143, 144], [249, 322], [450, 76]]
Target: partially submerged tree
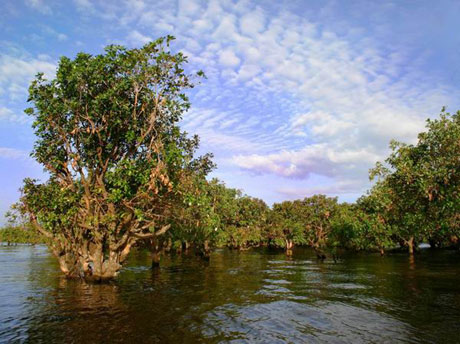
[[287, 224], [422, 183], [195, 220], [107, 135]]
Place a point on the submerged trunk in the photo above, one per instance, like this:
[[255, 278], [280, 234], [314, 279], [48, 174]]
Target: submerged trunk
[[90, 261], [68, 264], [156, 256], [320, 254], [205, 250], [410, 245], [155, 252]]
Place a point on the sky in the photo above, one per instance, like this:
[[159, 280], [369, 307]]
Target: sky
[[301, 97]]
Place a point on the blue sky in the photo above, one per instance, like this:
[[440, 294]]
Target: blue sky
[[302, 97]]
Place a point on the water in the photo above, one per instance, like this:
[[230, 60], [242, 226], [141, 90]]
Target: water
[[256, 296]]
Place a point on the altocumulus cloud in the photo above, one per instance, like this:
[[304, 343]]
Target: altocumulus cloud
[[303, 99]]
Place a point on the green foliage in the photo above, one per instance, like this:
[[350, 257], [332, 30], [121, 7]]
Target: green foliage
[[19, 235], [302, 222], [415, 199], [18, 230], [421, 185], [107, 135], [240, 219]]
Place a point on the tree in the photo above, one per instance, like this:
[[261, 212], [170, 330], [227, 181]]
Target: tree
[[422, 182], [247, 226], [375, 228], [195, 221], [303, 222], [320, 212], [287, 224], [18, 229], [107, 135]]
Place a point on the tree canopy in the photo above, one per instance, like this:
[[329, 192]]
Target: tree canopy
[[107, 135]]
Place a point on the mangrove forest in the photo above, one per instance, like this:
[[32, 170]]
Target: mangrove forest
[[122, 174]]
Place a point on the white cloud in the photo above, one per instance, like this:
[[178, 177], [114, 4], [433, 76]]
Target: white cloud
[[228, 58], [252, 23], [248, 71], [10, 116], [17, 72], [328, 96], [40, 6], [137, 38], [333, 188], [188, 7], [319, 158], [12, 153], [85, 6], [226, 30], [62, 37]]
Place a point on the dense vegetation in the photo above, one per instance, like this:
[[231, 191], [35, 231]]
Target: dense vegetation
[[415, 199], [123, 174], [18, 230]]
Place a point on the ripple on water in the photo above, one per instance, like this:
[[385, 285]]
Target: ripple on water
[[289, 321], [237, 297]]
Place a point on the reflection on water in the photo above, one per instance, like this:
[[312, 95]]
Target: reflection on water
[[253, 296]]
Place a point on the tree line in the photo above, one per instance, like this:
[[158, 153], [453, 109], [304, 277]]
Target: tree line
[[123, 174]]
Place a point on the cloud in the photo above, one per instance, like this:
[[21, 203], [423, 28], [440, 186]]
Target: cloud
[[333, 188], [319, 159], [228, 58], [40, 6], [87, 7], [17, 72], [252, 23], [10, 116], [62, 37], [292, 91], [135, 37], [12, 153]]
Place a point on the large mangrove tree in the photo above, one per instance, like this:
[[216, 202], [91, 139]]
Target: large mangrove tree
[[107, 136]]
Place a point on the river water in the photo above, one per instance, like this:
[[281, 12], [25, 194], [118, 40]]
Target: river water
[[256, 296]]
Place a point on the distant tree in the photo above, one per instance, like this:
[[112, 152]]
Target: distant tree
[[18, 229], [107, 135], [320, 212], [246, 229], [302, 222], [240, 219], [287, 224], [194, 221]]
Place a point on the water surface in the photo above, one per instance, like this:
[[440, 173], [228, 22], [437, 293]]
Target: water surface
[[256, 296]]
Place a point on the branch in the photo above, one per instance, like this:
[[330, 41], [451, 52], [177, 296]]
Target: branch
[[162, 231], [37, 226]]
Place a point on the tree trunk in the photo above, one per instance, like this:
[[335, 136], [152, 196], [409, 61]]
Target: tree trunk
[[168, 246], [185, 245], [205, 251], [68, 265], [155, 259], [289, 244], [155, 252], [410, 245], [90, 264]]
